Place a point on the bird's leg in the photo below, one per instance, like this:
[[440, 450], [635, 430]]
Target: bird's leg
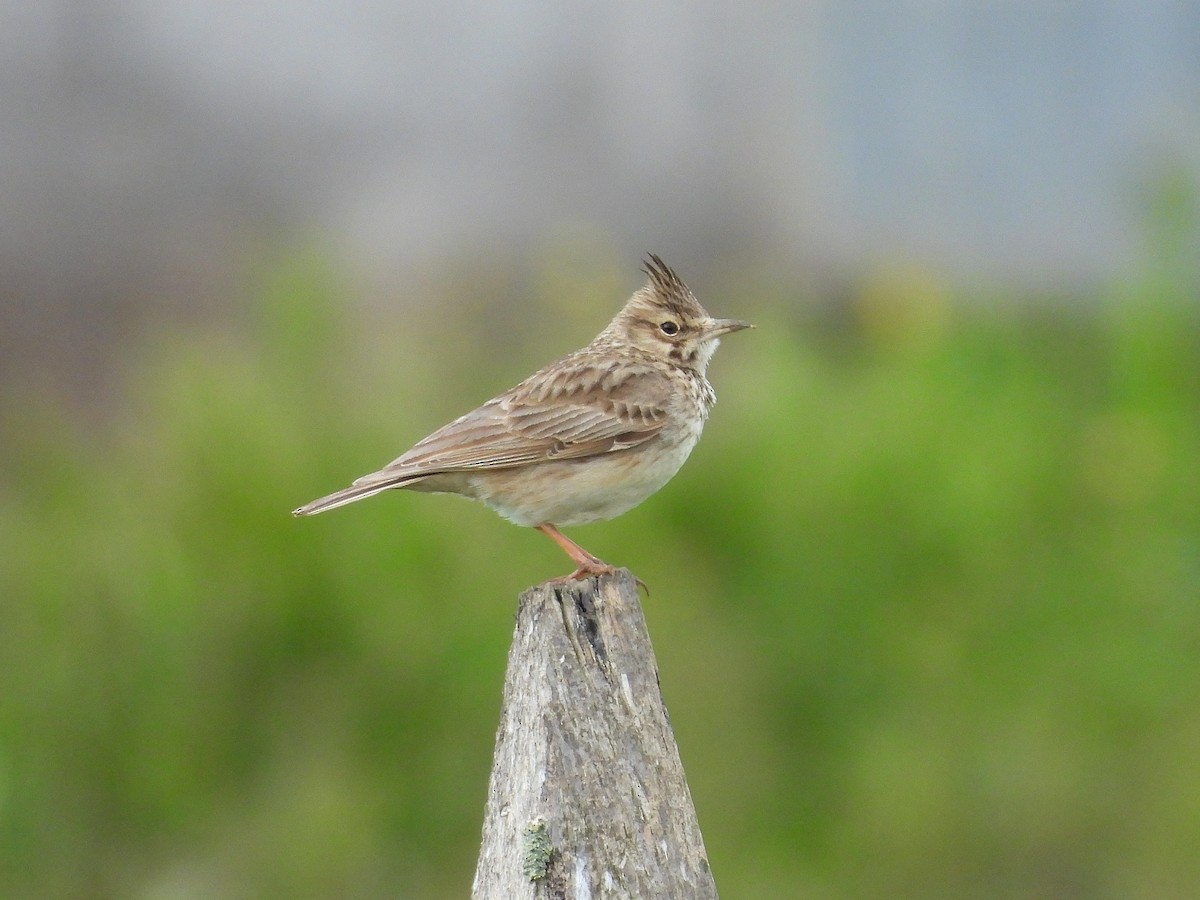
[[586, 562]]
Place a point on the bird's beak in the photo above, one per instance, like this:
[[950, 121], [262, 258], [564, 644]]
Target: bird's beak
[[717, 327]]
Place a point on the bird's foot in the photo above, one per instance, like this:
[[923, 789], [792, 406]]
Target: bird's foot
[[591, 571], [587, 565]]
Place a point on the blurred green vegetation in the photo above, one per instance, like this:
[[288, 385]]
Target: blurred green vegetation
[[926, 599]]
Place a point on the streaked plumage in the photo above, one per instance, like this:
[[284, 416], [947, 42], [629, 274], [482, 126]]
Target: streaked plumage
[[584, 439]]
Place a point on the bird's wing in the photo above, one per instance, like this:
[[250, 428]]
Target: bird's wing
[[562, 412]]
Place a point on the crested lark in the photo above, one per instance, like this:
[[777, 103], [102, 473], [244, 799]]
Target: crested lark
[[584, 439]]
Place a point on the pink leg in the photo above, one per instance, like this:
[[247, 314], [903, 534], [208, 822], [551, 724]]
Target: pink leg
[[587, 564]]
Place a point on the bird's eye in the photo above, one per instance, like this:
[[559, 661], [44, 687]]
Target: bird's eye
[[668, 327]]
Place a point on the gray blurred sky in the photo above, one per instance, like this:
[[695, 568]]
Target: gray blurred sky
[[149, 148]]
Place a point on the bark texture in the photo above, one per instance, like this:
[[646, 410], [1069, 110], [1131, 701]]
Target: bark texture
[[587, 797]]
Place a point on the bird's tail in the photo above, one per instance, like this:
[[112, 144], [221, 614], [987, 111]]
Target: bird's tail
[[361, 489]]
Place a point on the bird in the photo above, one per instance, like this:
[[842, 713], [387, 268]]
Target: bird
[[584, 439]]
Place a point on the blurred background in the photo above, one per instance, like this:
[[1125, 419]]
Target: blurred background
[[926, 599]]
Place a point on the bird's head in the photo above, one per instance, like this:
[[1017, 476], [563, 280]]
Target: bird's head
[[666, 320]]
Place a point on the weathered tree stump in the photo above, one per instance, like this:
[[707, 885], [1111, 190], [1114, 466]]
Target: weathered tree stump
[[587, 797]]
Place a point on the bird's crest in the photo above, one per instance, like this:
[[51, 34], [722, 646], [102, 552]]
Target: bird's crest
[[669, 287]]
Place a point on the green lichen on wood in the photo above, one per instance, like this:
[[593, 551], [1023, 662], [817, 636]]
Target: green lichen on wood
[[538, 851]]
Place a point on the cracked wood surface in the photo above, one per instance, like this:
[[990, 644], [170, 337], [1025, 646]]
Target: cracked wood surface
[[587, 797]]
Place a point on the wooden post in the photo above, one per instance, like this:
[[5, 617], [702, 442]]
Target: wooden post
[[587, 797]]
